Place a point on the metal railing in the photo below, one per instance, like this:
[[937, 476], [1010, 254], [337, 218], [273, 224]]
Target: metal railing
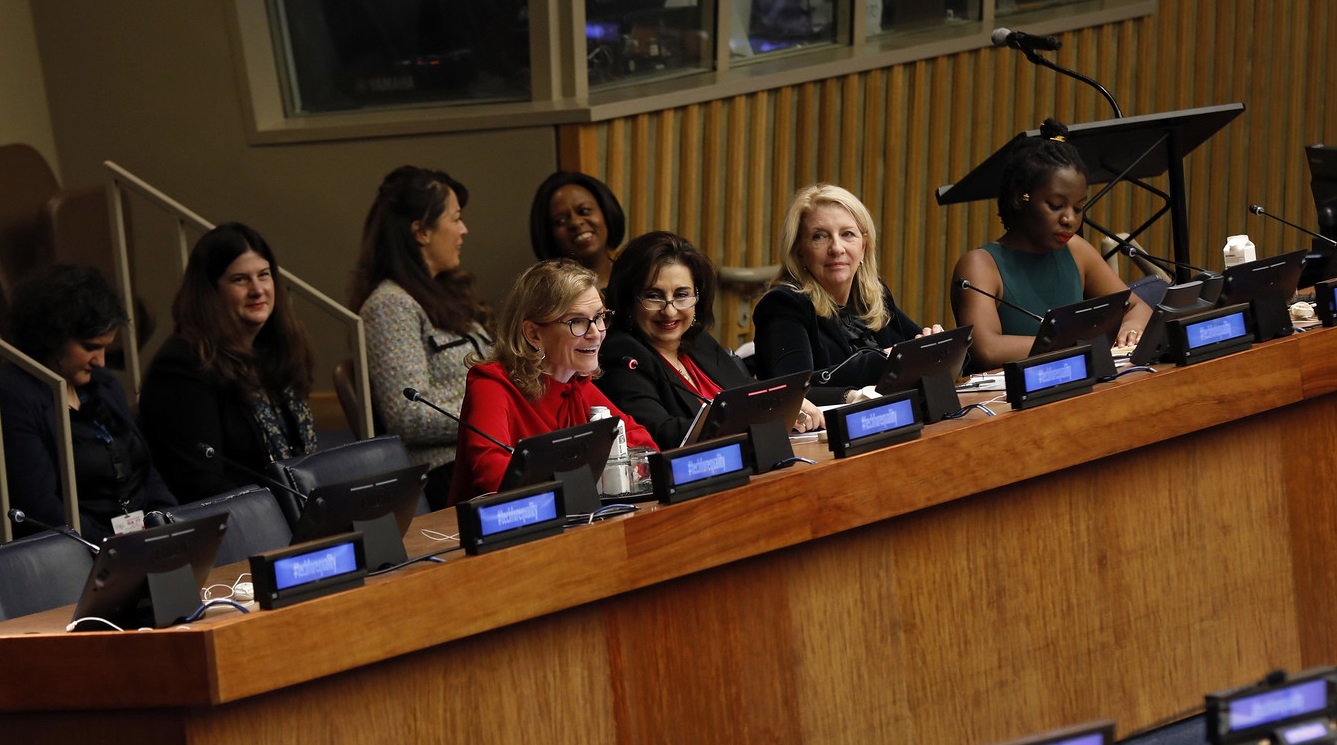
[[64, 448], [119, 181]]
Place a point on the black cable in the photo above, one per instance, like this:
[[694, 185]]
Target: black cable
[[966, 409], [414, 560]]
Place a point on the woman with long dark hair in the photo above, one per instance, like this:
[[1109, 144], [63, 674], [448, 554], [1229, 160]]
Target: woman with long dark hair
[[422, 317], [234, 375]]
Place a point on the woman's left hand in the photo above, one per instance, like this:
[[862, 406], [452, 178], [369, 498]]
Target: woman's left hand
[[1127, 338], [810, 418], [934, 329]]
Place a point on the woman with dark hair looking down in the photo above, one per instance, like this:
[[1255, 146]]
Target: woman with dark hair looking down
[[234, 375], [64, 317], [1040, 262]]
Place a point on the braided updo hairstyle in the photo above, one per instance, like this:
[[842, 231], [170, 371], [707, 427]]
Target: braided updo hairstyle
[[1032, 163]]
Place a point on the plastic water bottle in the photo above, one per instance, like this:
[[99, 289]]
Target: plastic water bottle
[[1239, 249], [616, 479]]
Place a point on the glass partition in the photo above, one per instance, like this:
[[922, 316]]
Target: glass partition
[[340, 55], [630, 40]]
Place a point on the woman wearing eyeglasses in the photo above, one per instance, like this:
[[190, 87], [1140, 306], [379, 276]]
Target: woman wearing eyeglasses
[[660, 361], [538, 377]]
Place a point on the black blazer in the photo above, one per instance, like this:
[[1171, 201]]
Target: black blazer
[[791, 337], [638, 382], [180, 406]]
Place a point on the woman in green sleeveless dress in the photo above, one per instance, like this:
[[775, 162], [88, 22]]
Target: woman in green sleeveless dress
[[1039, 262]]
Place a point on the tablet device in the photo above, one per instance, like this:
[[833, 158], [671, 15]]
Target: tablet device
[[574, 456], [1081, 323], [1268, 285], [332, 509], [151, 577], [912, 360], [734, 410]]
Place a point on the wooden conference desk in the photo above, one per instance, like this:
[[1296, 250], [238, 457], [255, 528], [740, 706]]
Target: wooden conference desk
[[1114, 555]]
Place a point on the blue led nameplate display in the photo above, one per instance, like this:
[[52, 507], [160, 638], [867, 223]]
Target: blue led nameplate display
[[309, 570], [518, 513], [714, 462], [1294, 709], [869, 425], [700, 469], [881, 419], [1049, 377], [1056, 373], [1216, 330], [1277, 705], [323, 563], [512, 517], [1093, 733], [1209, 334]]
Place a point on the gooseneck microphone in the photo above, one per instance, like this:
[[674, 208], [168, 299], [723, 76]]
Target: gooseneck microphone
[[18, 516], [964, 284], [631, 363], [1006, 37], [207, 450], [1029, 45], [825, 376], [1132, 252], [413, 395], [1257, 209]]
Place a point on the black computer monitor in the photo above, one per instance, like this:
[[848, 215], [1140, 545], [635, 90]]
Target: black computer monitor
[[151, 577], [381, 505], [765, 409], [1179, 301], [735, 409], [1094, 321], [1267, 284], [575, 456], [930, 364]]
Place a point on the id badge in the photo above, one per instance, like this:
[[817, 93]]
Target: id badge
[[130, 523]]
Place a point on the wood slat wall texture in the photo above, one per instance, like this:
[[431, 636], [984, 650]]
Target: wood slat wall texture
[[721, 173]]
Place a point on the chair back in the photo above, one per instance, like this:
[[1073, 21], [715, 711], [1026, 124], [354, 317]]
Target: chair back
[[41, 572], [336, 465], [255, 524]]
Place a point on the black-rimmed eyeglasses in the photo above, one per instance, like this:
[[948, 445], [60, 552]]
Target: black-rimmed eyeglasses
[[656, 304], [581, 326]]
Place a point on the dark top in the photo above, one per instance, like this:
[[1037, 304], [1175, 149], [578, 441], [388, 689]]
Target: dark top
[[181, 406], [792, 338], [651, 392], [113, 473], [1036, 282]]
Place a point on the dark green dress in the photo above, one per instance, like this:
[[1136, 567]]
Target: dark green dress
[[1036, 282]]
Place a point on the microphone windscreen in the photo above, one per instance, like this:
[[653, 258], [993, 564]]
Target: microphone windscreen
[[1256, 209], [16, 515], [411, 394], [1000, 35]]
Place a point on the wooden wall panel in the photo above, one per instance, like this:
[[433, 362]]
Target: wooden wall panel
[[894, 135]]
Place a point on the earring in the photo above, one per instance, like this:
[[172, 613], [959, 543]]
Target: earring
[[1026, 197]]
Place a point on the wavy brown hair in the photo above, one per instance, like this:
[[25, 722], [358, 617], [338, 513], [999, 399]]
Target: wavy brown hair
[[280, 355], [408, 198], [542, 293]]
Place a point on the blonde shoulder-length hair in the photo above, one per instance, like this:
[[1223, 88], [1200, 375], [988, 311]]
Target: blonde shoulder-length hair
[[866, 293], [543, 292]]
